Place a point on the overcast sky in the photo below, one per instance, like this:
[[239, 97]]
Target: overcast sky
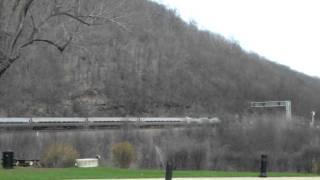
[[284, 31]]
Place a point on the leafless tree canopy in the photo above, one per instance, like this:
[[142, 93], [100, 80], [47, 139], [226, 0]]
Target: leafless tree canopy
[[28, 22]]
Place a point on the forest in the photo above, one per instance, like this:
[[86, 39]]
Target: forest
[[131, 58], [122, 58]]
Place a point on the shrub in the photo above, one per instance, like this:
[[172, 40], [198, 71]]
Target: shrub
[[310, 155], [60, 155], [122, 154], [316, 167]]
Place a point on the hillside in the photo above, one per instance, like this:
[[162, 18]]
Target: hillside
[[149, 63]]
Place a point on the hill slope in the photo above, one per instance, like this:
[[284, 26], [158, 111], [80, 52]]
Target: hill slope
[[157, 65]]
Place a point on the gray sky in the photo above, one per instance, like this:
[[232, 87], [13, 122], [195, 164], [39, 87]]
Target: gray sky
[[284, 31]]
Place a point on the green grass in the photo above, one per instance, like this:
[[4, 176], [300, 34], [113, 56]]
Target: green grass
[[108, 173]]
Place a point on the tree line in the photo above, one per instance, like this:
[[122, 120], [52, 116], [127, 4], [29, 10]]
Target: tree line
[[228, 147], [131, 58]]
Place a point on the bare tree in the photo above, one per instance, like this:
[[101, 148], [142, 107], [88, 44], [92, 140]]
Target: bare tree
[[32, 22]]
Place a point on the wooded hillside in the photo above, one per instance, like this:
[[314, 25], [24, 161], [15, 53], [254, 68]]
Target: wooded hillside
[[131, 58]]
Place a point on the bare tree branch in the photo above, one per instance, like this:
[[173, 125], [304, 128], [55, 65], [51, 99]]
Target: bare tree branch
[[66, 44], [107, 19], [22, 11], [72, 16], [3, 67], [27, 7], [32, 21], [61, 48], [118, 23], [34, 28], [20, 27], [6, 63], [79, 19], [11, 60]]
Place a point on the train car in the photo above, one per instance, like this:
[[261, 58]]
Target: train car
[[14, 120], [214, 120], [132, 119], [58, 120], [161, 119], [109, 119], [201, 120], [110, 122]]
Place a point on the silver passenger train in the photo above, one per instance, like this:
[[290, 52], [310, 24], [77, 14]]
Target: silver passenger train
[[49, 120]]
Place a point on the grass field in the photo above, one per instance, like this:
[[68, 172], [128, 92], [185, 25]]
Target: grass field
[[108, 173]]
